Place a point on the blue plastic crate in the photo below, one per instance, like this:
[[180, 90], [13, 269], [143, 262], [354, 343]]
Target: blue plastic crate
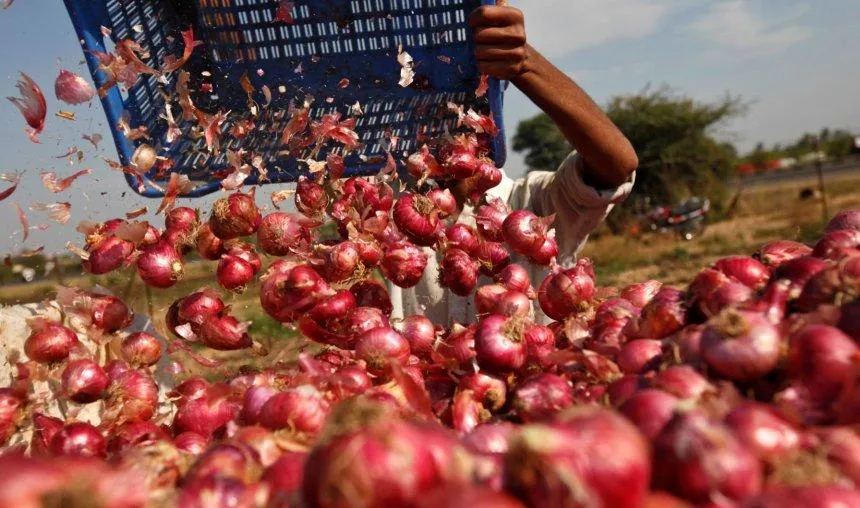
[[331, 39]]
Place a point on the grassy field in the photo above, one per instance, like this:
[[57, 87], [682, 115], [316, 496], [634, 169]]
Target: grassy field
[[764, 214]]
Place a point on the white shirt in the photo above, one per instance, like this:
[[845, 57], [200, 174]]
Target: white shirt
[[579, 209]]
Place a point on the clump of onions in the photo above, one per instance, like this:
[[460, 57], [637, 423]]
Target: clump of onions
[[777, 253], [209, 246], [78, 439], [141, 349], [798, 272], [762, 429], [845, 220], [500, 343], [838, 244], [311, 198], [133, 395], [224, 333], [379, 347], [458, 272], [282, 233], [73, 89], [463, 237], [566, 292], [664, 315], [234, 216], [493, 258], [696, 457], [745, 270], [289, 290], [541, 397], [837, 284], [468, 496], [821, 357], [650, 410], [444, 200], [160, 265], [420, 332], [403, 264], [490, 218], [825, 495], [589, 457], [234, 273], [525, 232], [741, 345], [417, 217], [50, 343], [84, 381], [640, 294], [640, 356]]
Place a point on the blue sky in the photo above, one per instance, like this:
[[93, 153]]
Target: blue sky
[[795, 61]]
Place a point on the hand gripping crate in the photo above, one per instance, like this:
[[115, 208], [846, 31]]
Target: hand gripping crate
[[327, 41]]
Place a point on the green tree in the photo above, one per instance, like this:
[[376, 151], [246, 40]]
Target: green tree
[[674, 137]]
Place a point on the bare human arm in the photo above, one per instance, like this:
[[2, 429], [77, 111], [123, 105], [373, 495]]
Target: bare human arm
[[503, 52]]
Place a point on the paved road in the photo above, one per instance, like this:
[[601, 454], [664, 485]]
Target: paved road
[[804, 173]]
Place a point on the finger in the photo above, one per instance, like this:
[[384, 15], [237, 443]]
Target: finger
[[496, 53], [494, 15], [500, 35]]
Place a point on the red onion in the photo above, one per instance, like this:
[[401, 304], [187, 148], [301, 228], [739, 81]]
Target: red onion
[[141, 349], [837, 284], [289, 290], [838, 244], [745, 270], [224, 333], [246, 252], [403, 264], [623, 388], [116, 368], [198, 307], [500, 344], [50, 343], [841, 445], [466, 412], [650, 410], [340, 261], [11, 412], [191, 442], [730, 294], [664, 315], [493, 258], [611, 329], [234, 273], [490, 217], [798, 272], [109, 313], [524, 232], [687, 342], [159, 265], [369, 293], [204, 415], [207, 491], [541, 397], [285, 476], [282, 233], [849, 320], [590, 457], [490, 438], [845, 220], [420, 333], [516, 278], [375, 196], [775, 254], [133, 396], [254, 399], [487, 298], [234, 216], [381, 346], [107, 255], [540, 345], [458, 272], [463, 237], [698, 458], [139, 434], [566, 292], [640, 356], [761, 429], [182, 218], [418, 218], [790, 497], [79, 439], [821, 357], [461, 164], [209, 246], [423, 164], [73, 89], [546, 253], [370, 252], [642, 293], [489, 390], [459, 345], [311, 199], [444, 201], [469, 496], [84, 381], [741, 345], [349, 381], [513, 303], [682, 381], [44, 429]]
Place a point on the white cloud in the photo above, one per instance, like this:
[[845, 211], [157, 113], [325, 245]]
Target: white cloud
[[560, 27], [746, 26]]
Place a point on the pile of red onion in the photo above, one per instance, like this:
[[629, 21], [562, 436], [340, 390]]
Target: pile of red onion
[[740, 389]]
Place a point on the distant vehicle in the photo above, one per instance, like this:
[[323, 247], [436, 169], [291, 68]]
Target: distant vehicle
[[687, 219]]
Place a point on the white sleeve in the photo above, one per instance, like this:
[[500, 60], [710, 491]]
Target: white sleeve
[[579, 207]]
